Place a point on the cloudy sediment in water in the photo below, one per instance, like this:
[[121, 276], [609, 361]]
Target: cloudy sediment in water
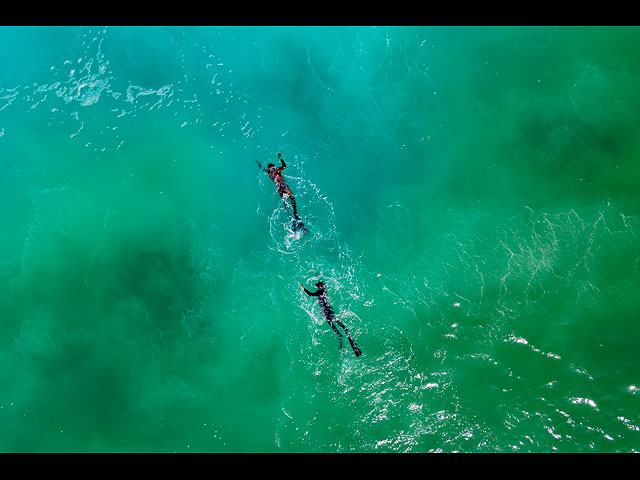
[[471, 196]]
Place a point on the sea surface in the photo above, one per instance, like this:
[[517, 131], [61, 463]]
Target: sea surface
[[472, 202]]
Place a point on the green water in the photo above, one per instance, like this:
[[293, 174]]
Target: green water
[[471, 196]]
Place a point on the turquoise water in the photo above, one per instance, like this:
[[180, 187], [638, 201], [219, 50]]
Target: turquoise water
[[471, 196]]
